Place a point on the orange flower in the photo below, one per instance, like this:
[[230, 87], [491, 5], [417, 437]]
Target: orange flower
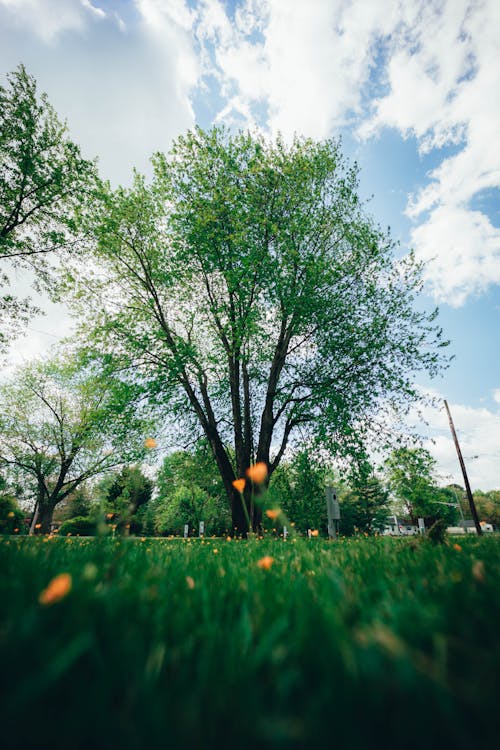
[[273, 513], [457, 547], [239, 485], [57, 589], [265, 562], [315, 532], [150, 443], [257, 473]]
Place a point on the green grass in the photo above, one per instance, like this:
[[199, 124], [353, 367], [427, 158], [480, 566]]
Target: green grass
[[357, 643]]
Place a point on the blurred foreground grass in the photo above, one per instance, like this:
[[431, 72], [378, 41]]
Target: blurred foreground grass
[[187, 643]]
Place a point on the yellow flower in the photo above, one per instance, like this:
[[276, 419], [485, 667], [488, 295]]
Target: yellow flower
[[265, 562], [257, 473], [457, 547], [58, 588], [239, 485], [150, 443], [273, 513], [11, 514], [215, 551], [190, 582]]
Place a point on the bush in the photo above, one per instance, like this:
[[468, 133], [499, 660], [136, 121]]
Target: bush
[[11, 517], [78, 526]]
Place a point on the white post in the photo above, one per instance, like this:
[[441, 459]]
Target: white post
[[333, 512], [202, 528], [186, 530]]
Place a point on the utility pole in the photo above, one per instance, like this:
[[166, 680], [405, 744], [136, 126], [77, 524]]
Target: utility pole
[[462, 466]]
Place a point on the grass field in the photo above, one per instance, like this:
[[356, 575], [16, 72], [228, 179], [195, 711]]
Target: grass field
[[188, 643]]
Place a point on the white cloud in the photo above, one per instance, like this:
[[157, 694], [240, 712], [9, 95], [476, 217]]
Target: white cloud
[[48, 18], [461, 249], [443, 90], [307, 64], [124, 89]]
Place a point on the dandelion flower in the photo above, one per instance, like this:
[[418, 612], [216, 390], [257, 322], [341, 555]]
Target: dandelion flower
[[239, 485], [58, 588], [257, 473], [273, 513], [150, 443], [265, 562]]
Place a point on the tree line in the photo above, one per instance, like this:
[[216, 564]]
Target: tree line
[[187, 489]]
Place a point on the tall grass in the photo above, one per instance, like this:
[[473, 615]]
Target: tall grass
[[189, 643]]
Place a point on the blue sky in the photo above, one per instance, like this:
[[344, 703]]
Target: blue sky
[[410, 86]]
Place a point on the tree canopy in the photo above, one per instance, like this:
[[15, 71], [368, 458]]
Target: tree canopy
[[43, 182], [248, 288], [410, 475], [61, 425]]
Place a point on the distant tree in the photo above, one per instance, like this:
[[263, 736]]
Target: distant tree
[[11, 515], [364, 502], [298, 487], [190, 490], [488, 506], [251, 290], [77, 503], [410, 477], [126, 493], [43, 181], [61, 425]]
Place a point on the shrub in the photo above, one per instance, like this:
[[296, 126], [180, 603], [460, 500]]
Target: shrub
[[11, 517], [78, 526]]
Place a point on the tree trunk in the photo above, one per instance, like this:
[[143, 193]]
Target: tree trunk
[[240, 518], [44, 521]]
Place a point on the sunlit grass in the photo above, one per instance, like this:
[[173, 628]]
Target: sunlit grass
[[260, 643]]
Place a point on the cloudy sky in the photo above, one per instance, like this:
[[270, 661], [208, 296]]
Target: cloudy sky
[[410, 85]]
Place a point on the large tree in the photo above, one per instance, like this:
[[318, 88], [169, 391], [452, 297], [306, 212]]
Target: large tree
[[61, 425], [43, 182], [249, 288]]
